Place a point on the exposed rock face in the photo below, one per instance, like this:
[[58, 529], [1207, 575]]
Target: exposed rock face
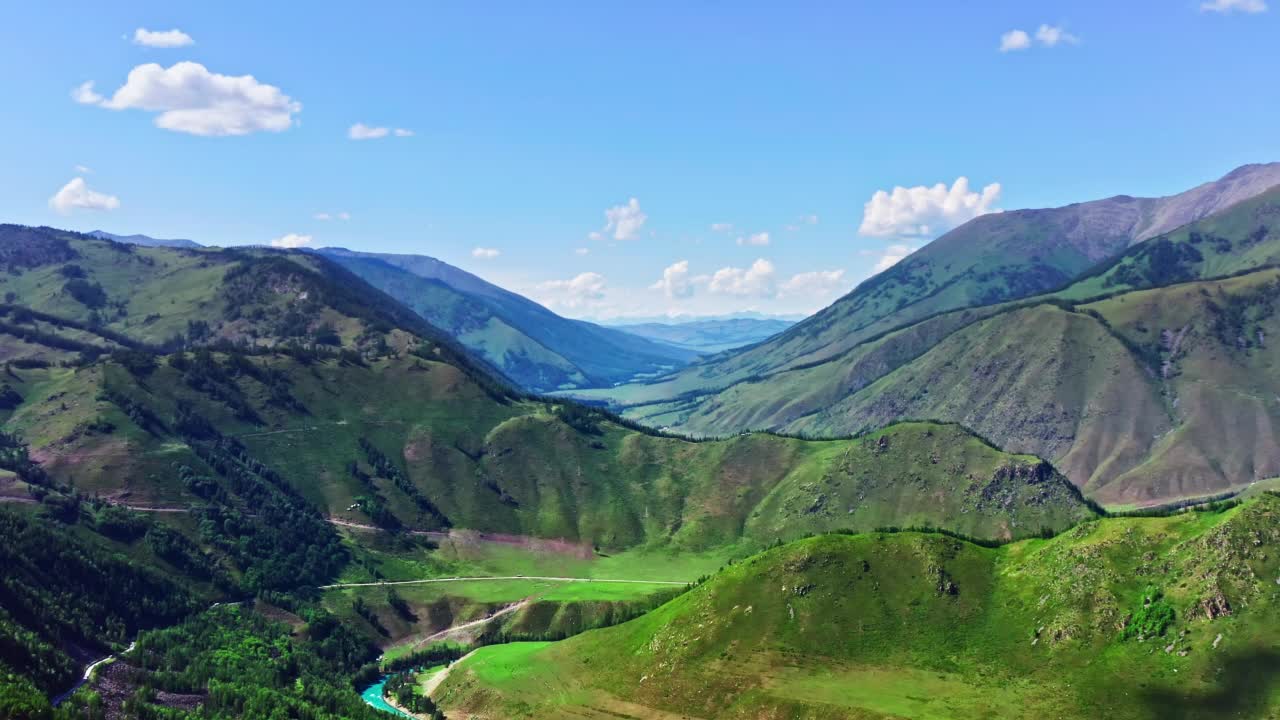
[[1165, 214], [1215, 606]]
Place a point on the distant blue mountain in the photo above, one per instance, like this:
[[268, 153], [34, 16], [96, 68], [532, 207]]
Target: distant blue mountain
[[534, 346], [144, 240], [710, 335]]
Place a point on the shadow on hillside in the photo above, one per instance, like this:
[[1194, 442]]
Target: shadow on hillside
[[1246, 682]]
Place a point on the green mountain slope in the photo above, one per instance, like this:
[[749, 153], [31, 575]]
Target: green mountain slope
[[990, 259], [163, 298], [1171, 617], [1122, 394], [414, 442], [532, 345]]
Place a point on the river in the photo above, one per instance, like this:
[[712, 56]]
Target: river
[[373, 698]]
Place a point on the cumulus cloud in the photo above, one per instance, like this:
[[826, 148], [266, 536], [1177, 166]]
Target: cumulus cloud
[[816, 285], [581, 291], [1015, 40], [889, 256], [926, 211], [676, 281], [625, 221], [759, 239], [484, 253], [755, 281], [85, 94], [191, 99], [325, 216], [360, 131], [76, 195], [84, 169], [161, 38], [292, 240], [721, 227], [1228, 6]]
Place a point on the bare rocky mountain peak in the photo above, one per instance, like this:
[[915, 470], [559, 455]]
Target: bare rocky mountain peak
[[1171, 212]]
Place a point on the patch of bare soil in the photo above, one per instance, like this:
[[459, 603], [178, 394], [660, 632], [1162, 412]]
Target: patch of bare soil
[[118, 681], [557, 546]]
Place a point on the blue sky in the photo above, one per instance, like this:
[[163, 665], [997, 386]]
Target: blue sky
[[530, 120]]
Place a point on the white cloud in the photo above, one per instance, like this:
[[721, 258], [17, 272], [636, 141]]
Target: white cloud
[[595, 235], [84, 169], [755, 240], [1228, 6], [1015, 40], [1052, 36], [816, 285], [323, 216], [85, 95], [161, 38], [292, 240], [926, 211], [483, 253], [77, 195], [360, 131], [193, 100], [332, 216], [582, 251], [675, 282], [755, 281], [581, 291], [721, 227], [1047, 35], [625, 221], [889, 257]]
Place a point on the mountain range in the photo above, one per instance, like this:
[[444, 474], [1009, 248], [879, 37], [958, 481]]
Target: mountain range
[[1018, 324], [252, 481]]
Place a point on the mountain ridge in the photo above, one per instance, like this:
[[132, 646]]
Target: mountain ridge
[[1025, 252], [540, 349]]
